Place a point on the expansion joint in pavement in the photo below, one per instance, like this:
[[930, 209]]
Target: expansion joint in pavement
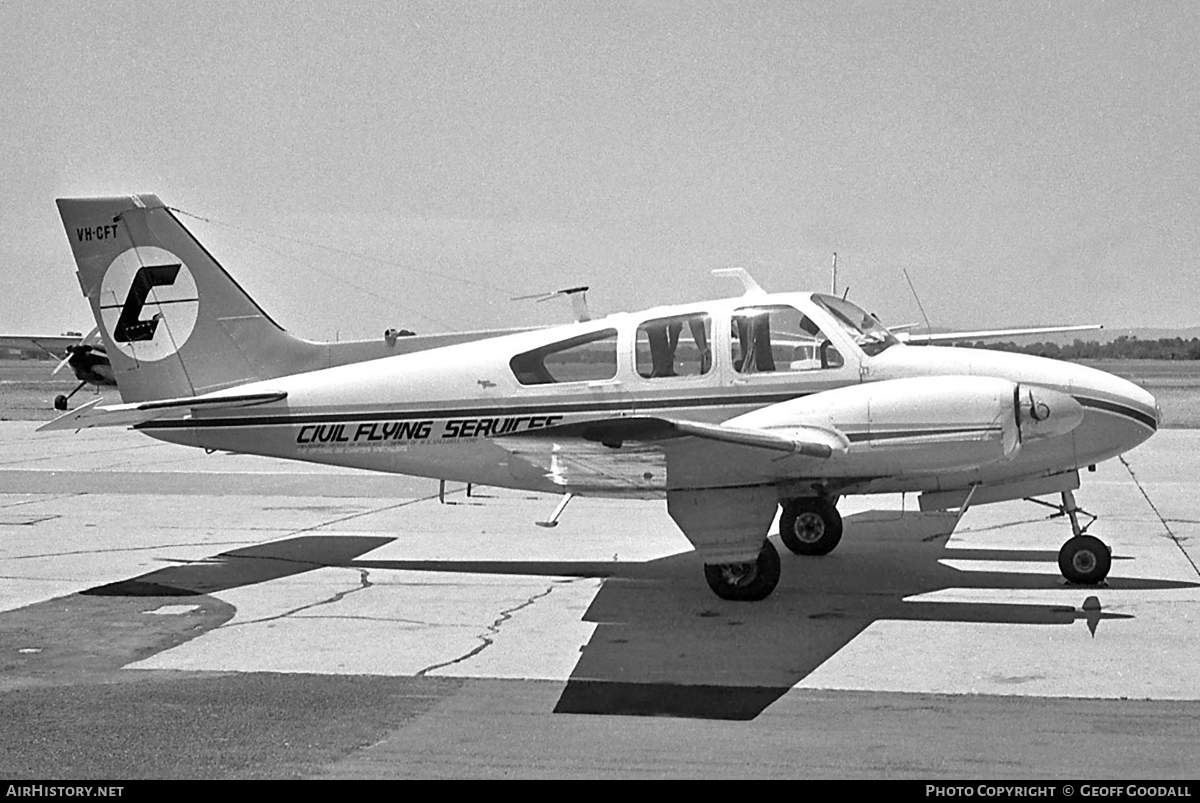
[[40, 498], [361, 513], [1161, 518]]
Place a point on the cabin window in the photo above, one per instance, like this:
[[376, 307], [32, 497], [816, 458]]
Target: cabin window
[[680, 345], [584, 358], [779, 338]]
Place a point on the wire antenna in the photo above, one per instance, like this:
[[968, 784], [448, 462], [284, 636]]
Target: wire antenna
[[928, 328]]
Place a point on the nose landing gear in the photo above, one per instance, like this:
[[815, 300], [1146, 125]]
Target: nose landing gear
[[1084, 559]]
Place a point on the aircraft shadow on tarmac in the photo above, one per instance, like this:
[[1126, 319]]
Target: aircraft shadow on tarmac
[[665, 646]]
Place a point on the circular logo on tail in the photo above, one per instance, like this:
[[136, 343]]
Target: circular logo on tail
[[148, 303]]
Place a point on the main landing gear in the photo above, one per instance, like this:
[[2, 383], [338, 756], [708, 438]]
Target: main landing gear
[[810, 525], [1084, 559], [745, 582]]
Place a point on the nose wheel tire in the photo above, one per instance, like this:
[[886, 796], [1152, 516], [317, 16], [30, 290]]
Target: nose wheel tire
[[1084, 559], [810, 526], [745, 582]]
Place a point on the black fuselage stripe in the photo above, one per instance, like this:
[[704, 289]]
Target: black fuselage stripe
[[637, 407], [1120, 409], [893, 434], [532, 407]]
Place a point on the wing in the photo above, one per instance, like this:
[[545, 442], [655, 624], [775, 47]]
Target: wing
[[989, 334], [55, 345], [898, 427], [641, 455]]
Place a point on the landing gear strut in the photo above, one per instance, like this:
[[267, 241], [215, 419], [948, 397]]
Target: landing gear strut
[[745, 582], [60, 401], [810, 525], [1084, 559]]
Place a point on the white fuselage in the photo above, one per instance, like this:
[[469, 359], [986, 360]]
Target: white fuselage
[[452, 413]]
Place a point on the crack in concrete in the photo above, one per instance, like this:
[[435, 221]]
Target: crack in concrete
[[1161, 518], [494, 628], [364, 583], [389, 620]]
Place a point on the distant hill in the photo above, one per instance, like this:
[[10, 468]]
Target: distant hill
[[1119, 344], [1107, 335], [1102, 336]]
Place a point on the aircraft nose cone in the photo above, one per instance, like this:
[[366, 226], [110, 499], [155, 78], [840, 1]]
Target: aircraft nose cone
[[1140, 399], [1112, 394]]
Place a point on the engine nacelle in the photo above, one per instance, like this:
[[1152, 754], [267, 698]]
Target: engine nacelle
[[1045, 413], [926, 424]]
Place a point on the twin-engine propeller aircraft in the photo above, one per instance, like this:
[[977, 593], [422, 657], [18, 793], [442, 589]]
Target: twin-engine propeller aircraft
[[727, 408]]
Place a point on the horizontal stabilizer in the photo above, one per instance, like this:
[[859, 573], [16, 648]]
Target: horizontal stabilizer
[[94, 414]]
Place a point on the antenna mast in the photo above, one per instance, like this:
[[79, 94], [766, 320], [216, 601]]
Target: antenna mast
[[835, 273], [928, 328]]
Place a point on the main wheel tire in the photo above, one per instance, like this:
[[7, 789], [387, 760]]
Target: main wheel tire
[[745, 582], [1084, 559], [810, 526]]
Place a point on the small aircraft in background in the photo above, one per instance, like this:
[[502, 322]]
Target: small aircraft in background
[[85, 356], [728, 408], [88, 358]]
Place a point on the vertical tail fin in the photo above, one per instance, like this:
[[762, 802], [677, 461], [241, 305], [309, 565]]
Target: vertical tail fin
[[173, 321]]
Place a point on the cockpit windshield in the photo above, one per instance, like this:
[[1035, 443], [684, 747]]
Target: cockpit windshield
[[870, 335]]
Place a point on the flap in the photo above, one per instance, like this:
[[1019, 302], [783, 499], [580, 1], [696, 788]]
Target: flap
[[649, 454], [810, 441]]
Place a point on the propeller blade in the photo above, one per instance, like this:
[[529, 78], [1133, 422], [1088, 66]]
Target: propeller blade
[[71, 350]]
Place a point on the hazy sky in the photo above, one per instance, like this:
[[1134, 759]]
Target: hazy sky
[[415, 164]]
